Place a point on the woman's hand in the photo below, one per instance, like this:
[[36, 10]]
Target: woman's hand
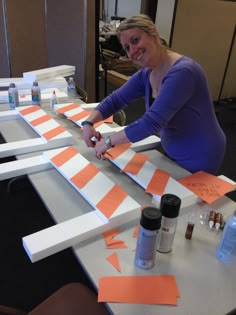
[[100, 148], [88, 133]]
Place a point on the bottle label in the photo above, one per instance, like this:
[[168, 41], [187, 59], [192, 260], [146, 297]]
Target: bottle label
[[146, 248], [35, 97], [13, 98], [167, 234]]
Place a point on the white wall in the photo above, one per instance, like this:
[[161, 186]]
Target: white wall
[[125, 8], [164, 17]]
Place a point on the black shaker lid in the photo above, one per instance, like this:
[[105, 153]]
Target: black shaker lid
[[151, 218], [170, 205]]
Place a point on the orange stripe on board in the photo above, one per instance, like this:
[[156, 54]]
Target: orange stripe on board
[[79, 116], [158, 182], [111, 201], [53, 133], [29, 110], [118, 150], [85, 175], [64, 156], [40, 120], [136, 163], [67, 108]]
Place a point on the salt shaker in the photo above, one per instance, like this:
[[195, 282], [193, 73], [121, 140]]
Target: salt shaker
[[169, 206]]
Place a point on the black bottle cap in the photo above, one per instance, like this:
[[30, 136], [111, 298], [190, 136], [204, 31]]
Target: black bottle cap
[[170, 205], [151, 218]]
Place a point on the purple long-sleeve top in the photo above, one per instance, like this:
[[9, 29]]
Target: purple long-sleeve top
[[182, 114]]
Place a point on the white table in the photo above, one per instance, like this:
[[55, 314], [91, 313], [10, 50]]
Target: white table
[[207, 286]]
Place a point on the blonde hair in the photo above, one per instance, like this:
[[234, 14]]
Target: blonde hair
[[140, 21]]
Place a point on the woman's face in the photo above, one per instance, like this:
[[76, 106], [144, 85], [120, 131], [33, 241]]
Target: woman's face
[[140, 47]]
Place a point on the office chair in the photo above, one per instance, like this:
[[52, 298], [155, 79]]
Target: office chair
[[72, 299]]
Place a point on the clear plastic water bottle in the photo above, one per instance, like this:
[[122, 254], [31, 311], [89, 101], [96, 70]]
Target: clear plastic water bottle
[[13, 96], [71, 89], [36, 94], [226, 251]]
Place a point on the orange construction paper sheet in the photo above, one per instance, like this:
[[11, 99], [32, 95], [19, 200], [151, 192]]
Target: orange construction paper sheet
[[85, 175], [111, 201], [117, 150], [109, 239], [136, 163], [113, 259], [160, 289], [158, 182], [80, 115], [67, 108], [64, 156], [40, 120], [206, 186], [53, 133], [111, 233], [29, 110], [108, 120]]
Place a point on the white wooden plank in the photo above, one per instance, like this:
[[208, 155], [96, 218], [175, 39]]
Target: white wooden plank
[[9, 115], [145, 174], [64, 138], [61, 236], [56, 238], [93, 191], [23, 167], [63, 70]]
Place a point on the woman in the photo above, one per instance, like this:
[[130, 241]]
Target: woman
[[177, 99]]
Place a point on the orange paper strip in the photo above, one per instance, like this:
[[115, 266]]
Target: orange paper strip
[[158, 182], [67, 108], [136, 230], [139, 289], [54, 132], [136, 163], [206, 186], [29, 110], [118, 150], [111, 201], [79, 116], [113, 259], [40, 120], [85, 175], [116, 244], [64, 156], [109, 120], [111, 233]]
